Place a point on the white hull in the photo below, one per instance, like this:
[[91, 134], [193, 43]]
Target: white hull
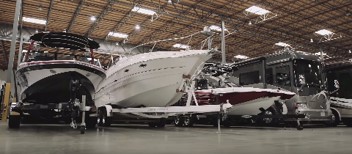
[[252, 107], [150, 79]]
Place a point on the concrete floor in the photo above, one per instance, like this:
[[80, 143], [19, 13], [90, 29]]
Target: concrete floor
[[139, 139]]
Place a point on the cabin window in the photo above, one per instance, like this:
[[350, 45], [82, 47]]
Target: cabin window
[[269, 76], [283, 77], [249, 78]]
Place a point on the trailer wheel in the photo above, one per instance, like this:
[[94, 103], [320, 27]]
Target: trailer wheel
[[103, 119], [161, 123], [187, 121], [178, 121], [14, 122], [335, 119], [268, 121]]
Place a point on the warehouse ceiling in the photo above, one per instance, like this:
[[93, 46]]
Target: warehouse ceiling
[[292, 22]]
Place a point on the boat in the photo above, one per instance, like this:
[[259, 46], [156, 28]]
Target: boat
[[46, 82], [244, 100], [153, 79]]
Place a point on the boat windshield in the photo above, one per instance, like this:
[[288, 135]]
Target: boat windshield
[[307, 73], [344, 77]]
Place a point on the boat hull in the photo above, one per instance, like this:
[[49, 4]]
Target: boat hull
[[245, 101], [153, 82], [46, 82]]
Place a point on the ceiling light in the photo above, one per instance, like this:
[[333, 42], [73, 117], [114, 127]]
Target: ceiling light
[[137, 27], [311, 41], [182, 46], [257, 10], [319, 54], [117, 43], [34, 20], [282, 44], [324, 32], [216, 28], [143, 10], [241, 57], [93, 18], [349, 51], [117, 34]]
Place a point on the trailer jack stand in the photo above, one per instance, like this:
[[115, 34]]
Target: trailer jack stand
[[299, 125]]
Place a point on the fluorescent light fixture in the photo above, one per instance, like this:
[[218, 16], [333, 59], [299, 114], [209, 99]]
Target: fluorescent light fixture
[[143, 10], [349, 51], [117, 34], [89, 59], [319, 54], [216, 28], [282, 44], [241, 57], [257, 10], [93, 18], [137, 27], [182, 46], [34, 20], [324, 32]]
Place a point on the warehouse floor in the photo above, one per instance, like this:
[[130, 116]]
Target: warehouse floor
[[139, 139]]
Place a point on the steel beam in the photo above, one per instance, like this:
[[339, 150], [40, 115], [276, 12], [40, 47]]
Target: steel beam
[[48, 14], [74, 16]]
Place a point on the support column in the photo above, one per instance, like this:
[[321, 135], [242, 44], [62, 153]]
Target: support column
[[13, 45], [223, 54]]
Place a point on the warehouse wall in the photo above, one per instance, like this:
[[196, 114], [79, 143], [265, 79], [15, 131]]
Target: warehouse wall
[[3, 76]]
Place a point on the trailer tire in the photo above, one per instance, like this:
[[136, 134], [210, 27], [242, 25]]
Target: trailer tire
[[178, 121], [268, 121], [187, 121], [335, 119], [14, 122], [104, 120]]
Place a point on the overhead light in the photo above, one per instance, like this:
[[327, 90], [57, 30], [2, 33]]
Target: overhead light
[[319, 54], [282, 44], [181, 46], [93, 18], [117, 43], [117, 34], [241, 57], [89, 59], [143, 10], [349, 51], [34, 20], [216, 28], [257, 10], [324, 32], [311, 41], [137, 27]]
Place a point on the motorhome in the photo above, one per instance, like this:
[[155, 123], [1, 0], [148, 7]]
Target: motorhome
[[291, 70]]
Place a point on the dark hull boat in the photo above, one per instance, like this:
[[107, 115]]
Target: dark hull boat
[[245, 100], [50, 85]]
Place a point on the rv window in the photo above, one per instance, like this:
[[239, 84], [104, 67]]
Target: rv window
[[269, 75], [283, 76], [249, 78]]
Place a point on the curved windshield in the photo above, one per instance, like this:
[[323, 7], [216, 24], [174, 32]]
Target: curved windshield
[[307, 73]]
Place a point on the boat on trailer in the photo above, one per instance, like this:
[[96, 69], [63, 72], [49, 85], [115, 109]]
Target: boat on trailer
[[245, 100], [150, 79], [48, 86], [147, 83]]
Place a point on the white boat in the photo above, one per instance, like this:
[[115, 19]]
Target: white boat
[[150, 79]]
